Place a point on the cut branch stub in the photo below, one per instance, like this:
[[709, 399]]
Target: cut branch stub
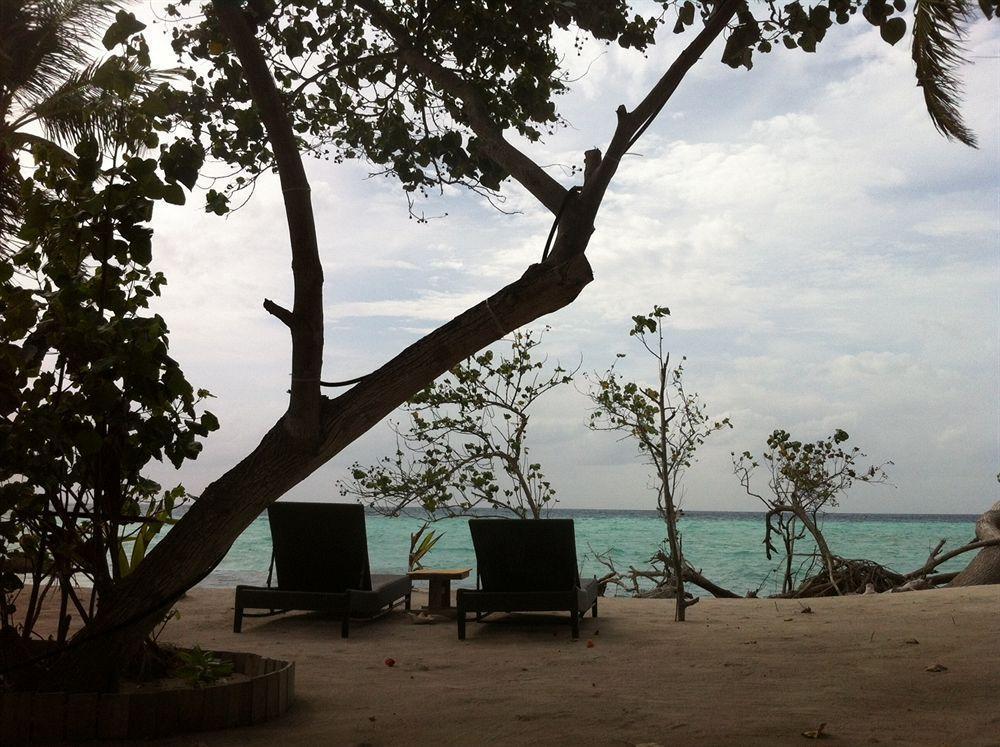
[[280, 312]]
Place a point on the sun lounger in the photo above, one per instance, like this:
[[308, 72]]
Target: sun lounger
[[321, 564], [526, 565]]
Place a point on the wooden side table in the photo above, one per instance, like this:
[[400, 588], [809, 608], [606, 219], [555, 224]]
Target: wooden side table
[[439, 593]]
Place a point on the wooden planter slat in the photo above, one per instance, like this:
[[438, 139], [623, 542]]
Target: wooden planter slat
[[216, 704], [48, 716], [168, 712], [273, 694], [141, 715], [79, 717], [283, 690], [259, 700], [19, 709], [112, 719]]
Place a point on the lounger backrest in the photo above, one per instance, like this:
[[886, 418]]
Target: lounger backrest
[[319, 546], [525, 554]]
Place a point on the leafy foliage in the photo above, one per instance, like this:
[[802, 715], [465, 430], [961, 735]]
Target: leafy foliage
[[403, 85], [937, 32], [803, 479], [422, 542], [466, 444], [49, 83], [89, 394], [347, 75], [200, 667]]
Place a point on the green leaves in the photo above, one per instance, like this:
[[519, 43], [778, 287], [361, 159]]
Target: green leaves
[[357, 96], [893, 30], [465, 444], [938, 32], [216, 202], [88, 393], [666, 422], [125, 25]]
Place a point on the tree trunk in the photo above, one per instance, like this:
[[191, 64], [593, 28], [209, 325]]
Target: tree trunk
[[288, 453], [199, 541], [824, 548], [985, 567]]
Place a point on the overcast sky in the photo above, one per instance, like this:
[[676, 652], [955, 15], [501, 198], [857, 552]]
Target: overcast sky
[[829, 259]]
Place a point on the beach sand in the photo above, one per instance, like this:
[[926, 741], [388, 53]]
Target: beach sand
[[738, 672]]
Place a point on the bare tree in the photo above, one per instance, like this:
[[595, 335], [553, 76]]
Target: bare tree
[[668, 424]]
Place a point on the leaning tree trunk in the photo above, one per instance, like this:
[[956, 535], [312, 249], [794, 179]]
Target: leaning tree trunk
[[289, 452], [985, 567]]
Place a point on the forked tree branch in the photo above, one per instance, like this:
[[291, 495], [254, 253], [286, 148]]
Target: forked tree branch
[[631, 125]]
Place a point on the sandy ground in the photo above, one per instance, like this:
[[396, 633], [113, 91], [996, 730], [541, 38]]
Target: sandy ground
[[739, 672]]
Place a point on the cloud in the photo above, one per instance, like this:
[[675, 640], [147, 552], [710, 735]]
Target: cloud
[[830, 261]]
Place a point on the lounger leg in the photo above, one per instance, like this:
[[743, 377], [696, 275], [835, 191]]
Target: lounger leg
[[593, 610], [406, 604], [574, 618], [345, 624], [238, 619]]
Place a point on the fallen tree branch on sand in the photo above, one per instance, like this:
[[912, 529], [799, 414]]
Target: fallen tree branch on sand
[[867, 576], [660, 575]]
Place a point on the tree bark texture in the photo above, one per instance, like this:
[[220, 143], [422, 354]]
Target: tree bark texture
[[985, 567]]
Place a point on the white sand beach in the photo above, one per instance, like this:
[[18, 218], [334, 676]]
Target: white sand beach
[[739, 672]]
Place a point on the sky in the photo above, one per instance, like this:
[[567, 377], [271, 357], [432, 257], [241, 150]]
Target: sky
[[829, 259]]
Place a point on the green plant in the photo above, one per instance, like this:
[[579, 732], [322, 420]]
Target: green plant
[[202, 667], [466, 443], [89, 395], [803, 479], [421, 544], [667, 423]]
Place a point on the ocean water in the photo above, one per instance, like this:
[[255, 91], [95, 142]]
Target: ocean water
[[726, 546]]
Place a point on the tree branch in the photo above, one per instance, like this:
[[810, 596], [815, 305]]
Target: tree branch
[[302, 420], [631, 125], [529, 174], [280, 312]]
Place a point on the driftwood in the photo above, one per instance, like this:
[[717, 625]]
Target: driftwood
[[660, 575], [846, 576], [985, 567], [838, 575], [867, 576]]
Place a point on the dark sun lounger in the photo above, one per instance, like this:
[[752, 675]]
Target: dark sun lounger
[[321, 563], [526, 565]]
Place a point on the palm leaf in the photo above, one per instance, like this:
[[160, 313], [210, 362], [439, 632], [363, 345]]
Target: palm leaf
[[83, 107], [40, 40], [938, 31]]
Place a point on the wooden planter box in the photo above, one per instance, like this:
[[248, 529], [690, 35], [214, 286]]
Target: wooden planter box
[[75, 717]]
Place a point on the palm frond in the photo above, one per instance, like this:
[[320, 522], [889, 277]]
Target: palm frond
[[938, 32], [83, 106], [10, 200], [40, 40]]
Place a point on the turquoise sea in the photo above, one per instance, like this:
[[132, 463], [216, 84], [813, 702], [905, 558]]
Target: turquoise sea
[[726, 546]]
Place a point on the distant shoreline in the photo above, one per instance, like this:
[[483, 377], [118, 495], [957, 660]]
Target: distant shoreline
[[754, 515]]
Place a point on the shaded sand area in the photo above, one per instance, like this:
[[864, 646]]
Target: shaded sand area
[[738, 672]]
